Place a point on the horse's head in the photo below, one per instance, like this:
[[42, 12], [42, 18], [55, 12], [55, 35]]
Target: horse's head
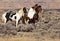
[[39, 8]]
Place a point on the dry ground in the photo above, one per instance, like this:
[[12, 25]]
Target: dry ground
[[47, 29], [17, 38]]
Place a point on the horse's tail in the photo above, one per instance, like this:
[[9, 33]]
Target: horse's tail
[[2, 19]]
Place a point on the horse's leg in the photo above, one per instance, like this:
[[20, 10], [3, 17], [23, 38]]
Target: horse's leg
[[16, 23], [27, 20], [5, 21], [23, 19]]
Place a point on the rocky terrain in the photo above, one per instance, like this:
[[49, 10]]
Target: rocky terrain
[[46, 29]]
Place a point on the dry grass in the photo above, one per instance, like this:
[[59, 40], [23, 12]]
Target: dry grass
[[48, 29], [47, 39], [17, 38]]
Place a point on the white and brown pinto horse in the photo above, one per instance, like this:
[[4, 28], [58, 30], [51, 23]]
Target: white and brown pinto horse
[[31, 16]]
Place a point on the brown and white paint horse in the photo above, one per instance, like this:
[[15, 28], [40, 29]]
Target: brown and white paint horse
[[31, 15]]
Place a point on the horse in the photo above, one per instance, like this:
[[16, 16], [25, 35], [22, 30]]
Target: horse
[[31, 15]]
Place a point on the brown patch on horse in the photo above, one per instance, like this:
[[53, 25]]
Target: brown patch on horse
[[25, 17], [35, 16], [39, 8]]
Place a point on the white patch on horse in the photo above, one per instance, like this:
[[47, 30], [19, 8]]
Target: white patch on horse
[[31, 13]]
